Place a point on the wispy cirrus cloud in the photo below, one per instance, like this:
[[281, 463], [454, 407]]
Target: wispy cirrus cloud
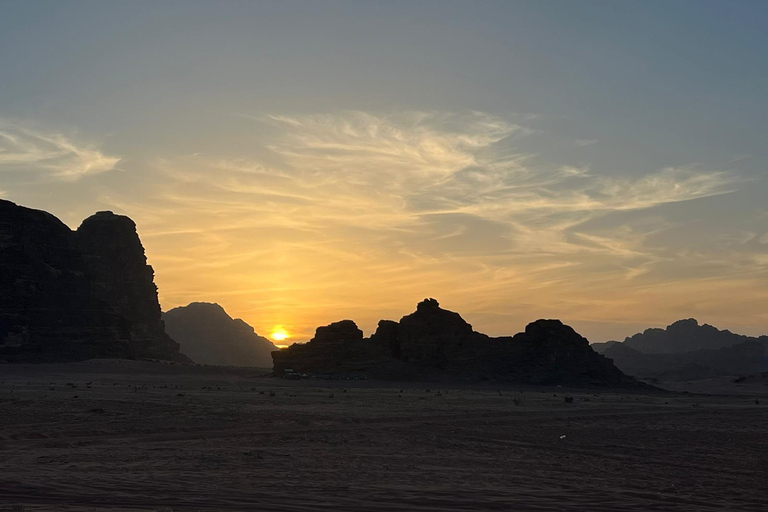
[[434, 178], [354, 207], [54, 155]]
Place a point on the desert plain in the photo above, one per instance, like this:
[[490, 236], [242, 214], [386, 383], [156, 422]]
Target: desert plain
[[140, 436]]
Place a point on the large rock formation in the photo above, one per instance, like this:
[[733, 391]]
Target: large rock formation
[[336, 349], [68, 295], [209, 335], [435, 343], [686, 350]]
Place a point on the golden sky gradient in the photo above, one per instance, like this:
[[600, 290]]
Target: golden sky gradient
[[358, 215], [514, 160]]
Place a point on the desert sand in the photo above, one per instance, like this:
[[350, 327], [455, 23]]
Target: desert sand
[[141, 436]]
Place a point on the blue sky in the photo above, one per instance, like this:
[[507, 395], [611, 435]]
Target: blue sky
[[599, 161]]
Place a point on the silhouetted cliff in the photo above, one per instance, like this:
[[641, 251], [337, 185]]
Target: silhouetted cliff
[[434, 343], [68, 295], [209, 335]]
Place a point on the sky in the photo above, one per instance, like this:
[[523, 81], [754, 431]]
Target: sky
[[601, 162]]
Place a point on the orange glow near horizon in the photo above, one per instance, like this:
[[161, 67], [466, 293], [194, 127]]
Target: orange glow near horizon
[[279, 334]]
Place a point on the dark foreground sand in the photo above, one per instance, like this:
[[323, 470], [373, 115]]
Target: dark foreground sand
[[147, 436]]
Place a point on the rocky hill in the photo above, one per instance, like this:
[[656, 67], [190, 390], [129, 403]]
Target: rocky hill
[[72, 295], [209, 335], [436, 343]]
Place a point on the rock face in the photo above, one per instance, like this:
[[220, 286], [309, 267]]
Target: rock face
[[336, 349], [117, 268], [430, 334], [68, 295], [208, 335], [686, 350], [436, 343]]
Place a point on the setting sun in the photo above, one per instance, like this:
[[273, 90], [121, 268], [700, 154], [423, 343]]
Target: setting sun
[[279, 334]]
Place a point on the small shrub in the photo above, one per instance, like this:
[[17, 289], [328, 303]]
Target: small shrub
[[569, 399]]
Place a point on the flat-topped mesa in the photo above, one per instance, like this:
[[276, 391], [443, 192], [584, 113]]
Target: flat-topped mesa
[[73, 295], [553, 334], [337, 333]]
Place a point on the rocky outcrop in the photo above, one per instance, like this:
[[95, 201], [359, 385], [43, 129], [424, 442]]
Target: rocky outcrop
[[336, 349], [337, 333], [429, 335], [550, 352], [436, 343], [117, 268], [68, 295], [208, 335]]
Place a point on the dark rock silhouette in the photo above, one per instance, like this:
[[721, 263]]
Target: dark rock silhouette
[[680, 337], [68, 295], [436, 343], [337, 348], [208, 335], [686, 350], [430, 334], [341, 332], [119, 274]]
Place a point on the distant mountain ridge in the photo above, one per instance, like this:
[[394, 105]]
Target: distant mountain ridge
[[209, 335], [681, 336], [686, 350]]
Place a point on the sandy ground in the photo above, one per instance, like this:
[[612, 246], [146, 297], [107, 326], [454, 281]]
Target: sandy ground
[[154, 437]]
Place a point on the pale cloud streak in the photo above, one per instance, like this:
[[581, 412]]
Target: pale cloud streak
[[50, 154]]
